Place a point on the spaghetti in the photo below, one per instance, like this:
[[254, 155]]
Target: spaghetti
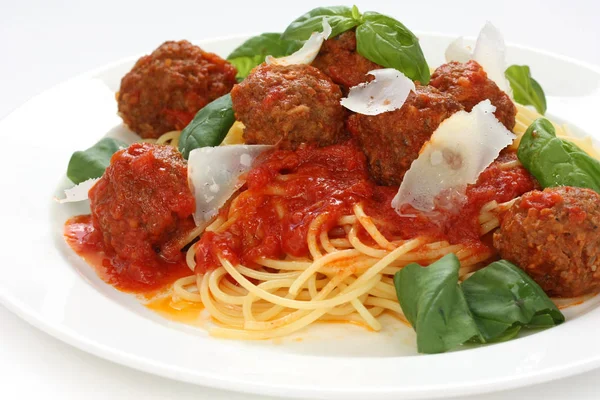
[[347, 275], [234, 136], [170, 138], [525, 116], [345, 279]]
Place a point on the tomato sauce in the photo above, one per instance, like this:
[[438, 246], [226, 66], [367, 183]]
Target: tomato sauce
[[541, 199], [143, 205], [87, 242], [287, 191], [494, 183], [284, 193], [461, 224], [544, 201]]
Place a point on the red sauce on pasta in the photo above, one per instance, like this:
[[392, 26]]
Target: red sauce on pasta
[[288, 191], [494, 183], [460, 224], [285, 193]]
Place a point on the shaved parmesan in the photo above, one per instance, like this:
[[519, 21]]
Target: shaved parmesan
[[458, 51], [308, 52], [489, 52], [387, 92], [215, 174], [458, 151], [78, 192]]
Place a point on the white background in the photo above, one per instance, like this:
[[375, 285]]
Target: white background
[[45, 42]]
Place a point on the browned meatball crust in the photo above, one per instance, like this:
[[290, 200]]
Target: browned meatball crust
[[392, 140], [340, 61], [165, 89], [554, 236], [142, 205], [289, 105], [468, 84]]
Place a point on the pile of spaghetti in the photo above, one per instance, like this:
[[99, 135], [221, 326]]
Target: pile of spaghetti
[[344, 279], [344, 243], [347, 272]]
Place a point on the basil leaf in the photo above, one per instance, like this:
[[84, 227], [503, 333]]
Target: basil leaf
[[209, 127], [434, 304], [526, 90], [390, 44], [245, 64], [554, 161], [356, 14], [254, 50], [340, 18], [503, 298], [542, 321], [91, 163], [492, 305], [509, 334]]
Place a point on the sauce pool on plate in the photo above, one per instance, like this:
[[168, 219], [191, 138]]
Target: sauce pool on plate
[[87, 242]]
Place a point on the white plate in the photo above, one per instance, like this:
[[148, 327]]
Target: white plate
[[45, 283]]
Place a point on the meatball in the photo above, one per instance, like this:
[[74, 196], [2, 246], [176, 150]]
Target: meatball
[[164, 90], [340, 61], [392, 140], [143, 206], [554, 236], [469, 85], [289, 105]]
